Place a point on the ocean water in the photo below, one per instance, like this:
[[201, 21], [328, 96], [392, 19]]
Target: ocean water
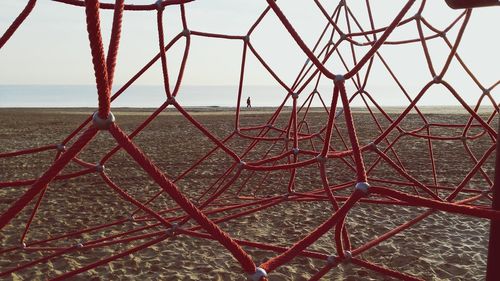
[[204, 96], [137, 96]]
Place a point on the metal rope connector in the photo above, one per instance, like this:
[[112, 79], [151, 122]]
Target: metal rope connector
[[61, 147], [103, 124], [373, 146], [159, 5], [347, 256], [362, 186], [339, 78], [257, 275], [331, 259], [171, 231], [99, 168]]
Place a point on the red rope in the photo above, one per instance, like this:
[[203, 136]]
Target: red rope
[[98, 59], [128, 7], [17, 22], [47, 177], [243, 258], [235, 193], [114, 41]]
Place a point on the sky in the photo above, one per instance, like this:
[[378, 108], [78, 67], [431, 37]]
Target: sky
[[51, 47]]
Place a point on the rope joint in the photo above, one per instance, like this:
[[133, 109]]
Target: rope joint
[[373, 146], [159, 5], [257, 275], [99, 168], [103, 124], [331, 259], [287, 195], [362, 186], [61, 147], [321, 159], [347, 256], [171, 100], [172, 230], [339, 78]]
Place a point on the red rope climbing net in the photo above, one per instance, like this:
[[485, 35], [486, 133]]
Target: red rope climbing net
[[290, 146]]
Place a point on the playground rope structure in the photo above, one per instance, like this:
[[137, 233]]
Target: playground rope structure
[[294, 139]]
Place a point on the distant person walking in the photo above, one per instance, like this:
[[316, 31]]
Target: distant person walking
[[249, 103]]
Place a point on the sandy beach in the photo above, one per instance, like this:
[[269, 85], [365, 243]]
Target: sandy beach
[[441, 247]]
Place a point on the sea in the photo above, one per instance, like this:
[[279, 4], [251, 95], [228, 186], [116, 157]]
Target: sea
[[152, 96], [148, 96]]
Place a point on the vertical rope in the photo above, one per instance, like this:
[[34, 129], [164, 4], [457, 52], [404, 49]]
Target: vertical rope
[[98, 59]]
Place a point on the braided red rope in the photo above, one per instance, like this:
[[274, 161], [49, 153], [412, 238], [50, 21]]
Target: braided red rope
[[242, 257], [98, 59], [224, 201], [17, 22], [47, 177], [114, 41]]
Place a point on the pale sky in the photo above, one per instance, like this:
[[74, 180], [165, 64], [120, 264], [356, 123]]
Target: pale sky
[[51, 47]]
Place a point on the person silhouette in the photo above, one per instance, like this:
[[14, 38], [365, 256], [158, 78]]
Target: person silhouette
[[249, 103]]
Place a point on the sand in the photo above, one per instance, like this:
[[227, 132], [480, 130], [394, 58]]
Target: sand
[[441, 247]]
